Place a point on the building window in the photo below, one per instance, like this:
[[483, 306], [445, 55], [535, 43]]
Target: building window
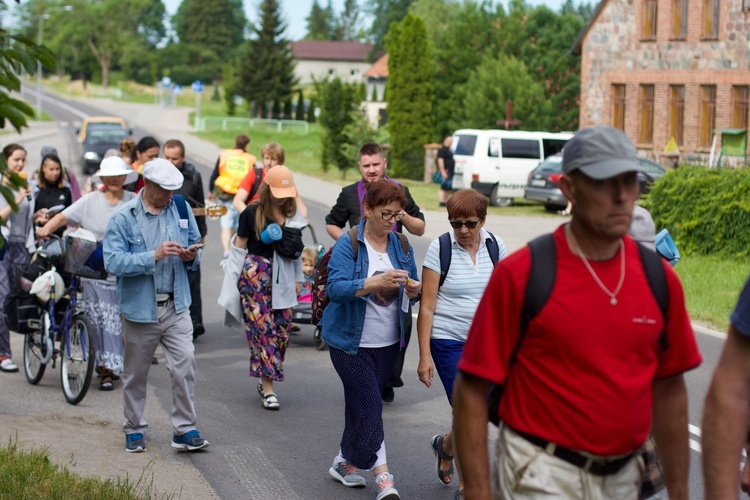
[[741, 100], [676, 112], [679, 18], [649, 19], [708, 114], [618, 106], [711, 18], [647, 114], [330, 71]]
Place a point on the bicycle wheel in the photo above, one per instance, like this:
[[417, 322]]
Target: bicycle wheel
[[34, 351], [77, 359]]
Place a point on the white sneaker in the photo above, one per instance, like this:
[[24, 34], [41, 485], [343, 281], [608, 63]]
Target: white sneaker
[[7, 365], [347, 474], [387, 490]]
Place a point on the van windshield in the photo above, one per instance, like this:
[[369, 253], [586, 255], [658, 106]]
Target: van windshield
[[527, 149], [464, 145]]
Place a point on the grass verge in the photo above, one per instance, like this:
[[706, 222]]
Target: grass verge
[[31, 475], [712, 286]]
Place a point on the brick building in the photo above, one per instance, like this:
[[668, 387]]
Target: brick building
[[667, 68]]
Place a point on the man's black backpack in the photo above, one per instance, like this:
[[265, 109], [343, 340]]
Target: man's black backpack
[[445, 253], [539, 288]]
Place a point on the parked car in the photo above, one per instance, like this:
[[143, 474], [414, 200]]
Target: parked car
[[543, 181], [100, 137]]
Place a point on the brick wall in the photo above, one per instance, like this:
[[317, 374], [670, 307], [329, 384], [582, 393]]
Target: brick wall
[[613, 51]]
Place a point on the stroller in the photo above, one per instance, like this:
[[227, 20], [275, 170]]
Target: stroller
[[302, 312]]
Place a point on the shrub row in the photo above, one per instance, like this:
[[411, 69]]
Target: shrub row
[[707, 211]]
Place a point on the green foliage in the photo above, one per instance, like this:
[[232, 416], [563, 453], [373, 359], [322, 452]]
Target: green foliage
[[374, 96], [318, 23], [362, 92], [496, 80], [707, 211], [216, 94], [288, 109], [409, 96], [384, 13], [337, 113], [217, 25], [300, 111], [311, 118], [267, 69], [229, 80]]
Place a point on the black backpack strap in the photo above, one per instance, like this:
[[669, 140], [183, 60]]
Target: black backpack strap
[[445, 256], [541, 278], [493, 248], [657, 280], [256, 184]]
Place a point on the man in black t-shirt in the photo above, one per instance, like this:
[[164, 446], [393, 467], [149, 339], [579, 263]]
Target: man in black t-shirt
[[446, 165], [348, 208]]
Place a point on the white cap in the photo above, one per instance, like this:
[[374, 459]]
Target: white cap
[[114, 166], [162, 172]]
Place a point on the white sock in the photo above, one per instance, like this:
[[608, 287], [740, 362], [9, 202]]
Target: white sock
[[339, 459], [381, 456]]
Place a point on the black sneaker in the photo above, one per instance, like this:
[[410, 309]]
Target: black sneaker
[[388, 395], [198, 330]]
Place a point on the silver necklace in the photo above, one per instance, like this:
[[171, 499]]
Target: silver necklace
[[612, 295]]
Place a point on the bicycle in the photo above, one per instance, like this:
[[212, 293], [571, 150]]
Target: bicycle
[[73, 330]]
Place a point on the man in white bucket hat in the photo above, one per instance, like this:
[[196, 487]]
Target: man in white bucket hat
[[151, 245]]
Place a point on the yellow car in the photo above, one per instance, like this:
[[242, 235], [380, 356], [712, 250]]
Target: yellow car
[[104, 120]]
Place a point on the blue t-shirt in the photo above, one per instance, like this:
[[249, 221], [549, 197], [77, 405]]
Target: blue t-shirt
[[741, 316]]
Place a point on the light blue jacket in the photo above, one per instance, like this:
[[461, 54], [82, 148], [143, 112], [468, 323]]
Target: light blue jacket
[[129, 256], [344, 316]]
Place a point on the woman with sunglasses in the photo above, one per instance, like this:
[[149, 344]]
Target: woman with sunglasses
[[364, 328], [446, 311]]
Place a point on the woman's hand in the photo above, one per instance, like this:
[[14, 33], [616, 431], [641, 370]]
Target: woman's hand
[[42, 232], [22, 193], [388, 280], [425, 370], [412, 288], [41, 216]]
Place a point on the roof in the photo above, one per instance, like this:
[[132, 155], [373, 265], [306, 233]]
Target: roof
[[379, 69], [577, 47], [330, 51]]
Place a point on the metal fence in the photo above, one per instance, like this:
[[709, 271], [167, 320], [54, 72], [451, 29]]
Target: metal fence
[[205, 123]]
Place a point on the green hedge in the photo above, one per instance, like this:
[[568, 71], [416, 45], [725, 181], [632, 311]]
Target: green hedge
[[707, 211]]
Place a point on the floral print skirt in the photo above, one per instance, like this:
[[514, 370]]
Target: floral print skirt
[[267, 329], [99, 301]]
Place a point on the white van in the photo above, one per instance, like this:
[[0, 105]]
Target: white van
[[497, 163]]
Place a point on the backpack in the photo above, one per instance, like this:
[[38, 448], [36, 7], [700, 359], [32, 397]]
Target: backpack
[[539, 288], [319, 298], [445, 253], [256, 183]]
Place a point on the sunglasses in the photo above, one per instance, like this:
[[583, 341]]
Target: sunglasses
[[470, 224]]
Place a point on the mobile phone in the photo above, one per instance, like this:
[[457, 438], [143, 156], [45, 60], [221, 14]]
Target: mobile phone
[[199, 246], [55, 209]]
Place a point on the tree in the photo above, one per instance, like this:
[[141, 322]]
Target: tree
[[493, 83], [348, 23], [218, 25], [300, 111], [318, 23], [384, 13], [337, 107], [311, 118], [230, 83], [288, 108], [267, 70], [409, 96]]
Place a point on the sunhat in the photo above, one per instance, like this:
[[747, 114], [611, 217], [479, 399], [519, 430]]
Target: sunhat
[[112, 167]]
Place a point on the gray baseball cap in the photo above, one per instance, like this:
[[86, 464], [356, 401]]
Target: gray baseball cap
[[600, 152]]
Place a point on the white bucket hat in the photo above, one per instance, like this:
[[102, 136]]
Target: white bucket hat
[[114, 166]]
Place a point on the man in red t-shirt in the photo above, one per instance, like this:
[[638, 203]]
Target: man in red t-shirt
[[582, 383]]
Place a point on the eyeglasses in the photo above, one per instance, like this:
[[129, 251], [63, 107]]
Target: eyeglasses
[[391, 216], [470, 224]]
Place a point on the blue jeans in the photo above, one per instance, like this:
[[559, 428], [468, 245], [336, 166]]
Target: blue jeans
[[446, 355]]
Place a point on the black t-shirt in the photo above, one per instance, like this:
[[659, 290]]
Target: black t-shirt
[[347, 208], [51, 196], [246, 229], [447, 155]]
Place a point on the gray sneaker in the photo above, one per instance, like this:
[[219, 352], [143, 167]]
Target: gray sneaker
[[386, 487], [347, 475]]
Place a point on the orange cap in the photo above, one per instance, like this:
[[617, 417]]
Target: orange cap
[[281, 182]]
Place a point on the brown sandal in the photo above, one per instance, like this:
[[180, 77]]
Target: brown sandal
[[440, 454]]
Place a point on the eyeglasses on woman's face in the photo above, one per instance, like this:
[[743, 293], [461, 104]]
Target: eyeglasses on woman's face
[[470, 224], [392, 216]]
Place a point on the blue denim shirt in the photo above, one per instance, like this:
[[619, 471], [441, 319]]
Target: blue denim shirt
[[129, 255], [344, 316]]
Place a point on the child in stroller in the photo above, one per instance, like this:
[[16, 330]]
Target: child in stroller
[[302, 312]]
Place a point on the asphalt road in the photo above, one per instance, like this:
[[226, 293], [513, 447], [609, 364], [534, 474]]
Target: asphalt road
[[256, 453]]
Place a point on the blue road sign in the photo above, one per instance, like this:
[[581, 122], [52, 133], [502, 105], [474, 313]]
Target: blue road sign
[[197, 86], [177, 90]]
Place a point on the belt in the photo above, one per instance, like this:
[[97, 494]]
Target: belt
[[598, 467]]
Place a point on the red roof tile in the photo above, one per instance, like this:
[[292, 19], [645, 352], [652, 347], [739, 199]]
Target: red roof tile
[[379, 69], [330, 51]]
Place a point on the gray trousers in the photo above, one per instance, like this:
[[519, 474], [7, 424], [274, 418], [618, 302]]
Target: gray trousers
[[175, 333]]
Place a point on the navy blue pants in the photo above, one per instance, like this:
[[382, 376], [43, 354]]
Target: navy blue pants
[[363, 375], [446, 354]]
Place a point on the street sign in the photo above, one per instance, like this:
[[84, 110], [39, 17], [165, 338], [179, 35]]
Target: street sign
[[197, 86], [177, 90], [166, 81]]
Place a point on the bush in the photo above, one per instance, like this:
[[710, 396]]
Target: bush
[[707, 211]]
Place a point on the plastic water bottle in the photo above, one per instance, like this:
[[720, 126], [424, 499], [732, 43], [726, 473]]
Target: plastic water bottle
[[271, 233]]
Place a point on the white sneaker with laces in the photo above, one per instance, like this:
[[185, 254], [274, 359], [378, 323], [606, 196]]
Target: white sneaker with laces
[[387, 490], [347, 474]]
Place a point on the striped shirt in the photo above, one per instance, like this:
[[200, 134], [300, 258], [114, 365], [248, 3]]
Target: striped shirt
[[458, 298]]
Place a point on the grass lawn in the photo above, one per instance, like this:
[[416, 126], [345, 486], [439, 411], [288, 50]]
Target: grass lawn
[[30, 474], [712, 286]]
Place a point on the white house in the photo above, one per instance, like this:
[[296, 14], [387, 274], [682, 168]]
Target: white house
[[324, 59]]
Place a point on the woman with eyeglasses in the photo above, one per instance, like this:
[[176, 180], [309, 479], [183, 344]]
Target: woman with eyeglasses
[[469, 253], [370, 294]]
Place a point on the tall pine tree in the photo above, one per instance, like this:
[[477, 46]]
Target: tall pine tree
[[318, 23], [267, 70], [409, 89], [218, 25]]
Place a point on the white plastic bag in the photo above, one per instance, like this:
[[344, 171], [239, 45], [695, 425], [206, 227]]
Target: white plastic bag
[[42, 286]]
